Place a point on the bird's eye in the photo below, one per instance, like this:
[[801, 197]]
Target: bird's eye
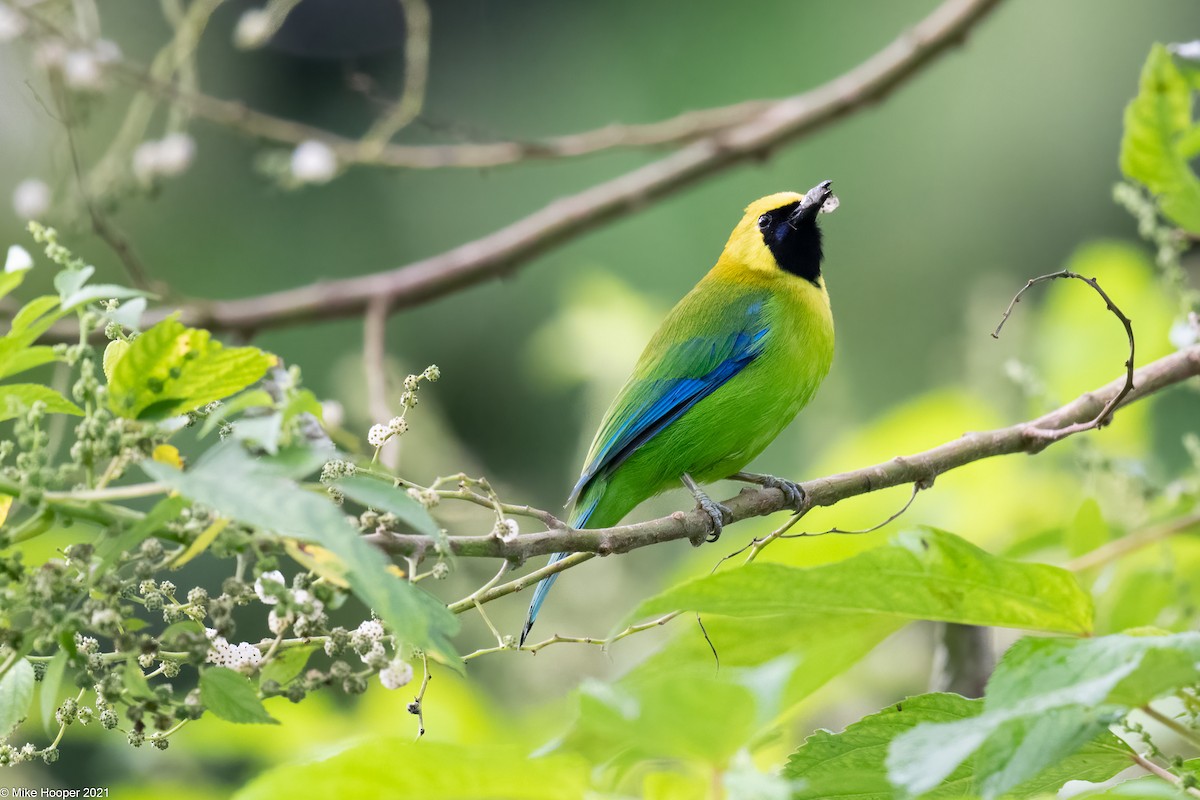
[[764, 221]]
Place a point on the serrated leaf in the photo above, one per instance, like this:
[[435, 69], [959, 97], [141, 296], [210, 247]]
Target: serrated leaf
[[286, 664], [171, 369], [429, 771], [920, 574], [237, 486], [112, 354], [1155, 123], [231, 696], [16, 696], [1046, 699], [201, 542], [382, 496], [851, 763], [51, 683], [16, 398]]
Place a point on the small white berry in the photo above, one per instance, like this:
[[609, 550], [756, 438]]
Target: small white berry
[[263, 591], [398, 673], [254, 29], [378, 435], [397, 425], [31, 198], [313, 162]]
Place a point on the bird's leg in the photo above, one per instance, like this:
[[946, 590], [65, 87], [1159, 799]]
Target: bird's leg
[[793, 493], [718, 513]]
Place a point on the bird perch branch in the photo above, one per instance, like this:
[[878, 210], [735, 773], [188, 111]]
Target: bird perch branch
[[1025, 437]]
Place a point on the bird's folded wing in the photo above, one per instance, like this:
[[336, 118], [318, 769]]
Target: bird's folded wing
[[672, 377]]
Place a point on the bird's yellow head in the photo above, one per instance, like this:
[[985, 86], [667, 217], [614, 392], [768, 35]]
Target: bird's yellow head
[[779, 235]]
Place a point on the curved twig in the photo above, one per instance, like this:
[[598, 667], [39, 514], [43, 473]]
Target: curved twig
[[1105, 414]]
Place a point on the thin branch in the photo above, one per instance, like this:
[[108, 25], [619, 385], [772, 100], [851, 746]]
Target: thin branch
[[1025, 437], [568, 218], [1110, 551], [1189, 735], [1166, 775], [416, 76], [1105, 413], [375, 372]]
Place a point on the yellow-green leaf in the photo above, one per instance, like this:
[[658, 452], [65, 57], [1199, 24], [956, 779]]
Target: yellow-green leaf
[[201, 543], [112, 354], [15, 398], [171, 369]]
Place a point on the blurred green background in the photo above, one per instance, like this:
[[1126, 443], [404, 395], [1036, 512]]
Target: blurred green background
[[994, 165]]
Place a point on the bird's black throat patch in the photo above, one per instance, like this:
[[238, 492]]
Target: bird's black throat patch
[[796, 245]]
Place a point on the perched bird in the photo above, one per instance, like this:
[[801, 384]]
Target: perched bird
[[729, 368]]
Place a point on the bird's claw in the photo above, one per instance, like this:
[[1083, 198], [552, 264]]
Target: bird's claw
[[794, 495], [717, 514]]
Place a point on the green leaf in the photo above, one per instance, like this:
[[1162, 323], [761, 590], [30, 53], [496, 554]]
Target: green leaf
[[235, 485], [302, 402], [381, 496], [112, 354], [171, 369], [231, 696], [1157, 122], [135, 681], [1046, 699], [851, 763], [100, 291], [11, 280], [396, 769], [16, 398], [70, 281], [925, 574], [26, 359], [16, 696], [286, 664], [51, 683], [31, 312], [664, 715]]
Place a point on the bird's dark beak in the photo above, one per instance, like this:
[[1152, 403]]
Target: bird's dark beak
[[812, 202]]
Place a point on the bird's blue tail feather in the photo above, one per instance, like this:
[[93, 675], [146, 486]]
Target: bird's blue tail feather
[[540, 591]]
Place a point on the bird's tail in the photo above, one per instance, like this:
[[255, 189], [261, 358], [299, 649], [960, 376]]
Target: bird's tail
[[539, 597], [578, 520]]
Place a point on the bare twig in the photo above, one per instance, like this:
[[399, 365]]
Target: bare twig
[[567, 218], [417, 706], [416, 75], [1110, 551], [1105, 413], [1025, 437], [375, 372], [1165, 774]]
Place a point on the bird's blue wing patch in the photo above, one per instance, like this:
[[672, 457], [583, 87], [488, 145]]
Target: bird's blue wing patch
[[706, 363]]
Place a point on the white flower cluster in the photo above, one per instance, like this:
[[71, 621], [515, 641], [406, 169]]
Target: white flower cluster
[[426, 497], [396, 674], [243, 657], [304, 610]]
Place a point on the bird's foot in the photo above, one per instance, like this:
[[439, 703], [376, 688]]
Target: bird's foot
[[717, 513], [793, 493]]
